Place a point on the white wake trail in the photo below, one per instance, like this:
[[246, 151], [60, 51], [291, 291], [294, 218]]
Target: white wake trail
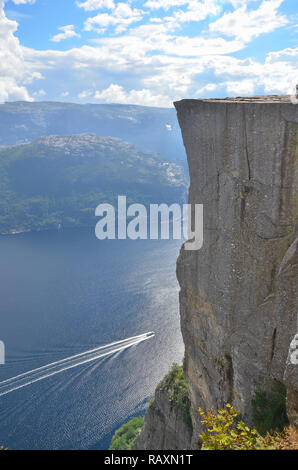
[[28, 378]]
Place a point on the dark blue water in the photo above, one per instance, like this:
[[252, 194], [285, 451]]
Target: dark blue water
[[62, 293]]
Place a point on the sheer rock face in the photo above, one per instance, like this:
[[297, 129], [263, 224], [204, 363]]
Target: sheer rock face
[[164, 427], [239, 295]]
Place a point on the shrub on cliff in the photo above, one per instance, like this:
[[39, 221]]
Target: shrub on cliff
[[125, 436], [177, 388], [287, 440], [226, 431], [269, 409]]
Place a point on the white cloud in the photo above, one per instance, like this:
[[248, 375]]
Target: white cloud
[[85, 94], [22, 2], [155, 38], [159, 65], [240, 88], [196, 11], [206, 88], [158, 76], [289, 54], [121, 17], [237, 3], [280, 71], [15, 73], [195, 47], [91, 5], [246, 24], [116, 94], [67, 33], [39, 93], [165, 4]]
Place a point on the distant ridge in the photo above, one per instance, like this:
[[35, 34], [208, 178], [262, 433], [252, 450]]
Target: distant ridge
[[154, 129], [58, 181]]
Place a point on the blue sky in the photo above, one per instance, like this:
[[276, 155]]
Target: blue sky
[[147, 52]]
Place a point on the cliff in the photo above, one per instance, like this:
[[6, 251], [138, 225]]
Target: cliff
[[238, 299], [164, 427], [239, 295], [168, 422]]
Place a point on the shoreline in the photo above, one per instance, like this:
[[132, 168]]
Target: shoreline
[[58, 229]]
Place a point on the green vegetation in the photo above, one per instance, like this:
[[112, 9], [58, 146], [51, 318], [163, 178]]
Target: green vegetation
[[177, 388], [226, 431], [269, 409], [125, 436], [228, 357], [151, 402], [58, 181]]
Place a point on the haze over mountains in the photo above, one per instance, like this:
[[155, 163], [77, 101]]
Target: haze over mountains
[[154, 129], [58, 161]]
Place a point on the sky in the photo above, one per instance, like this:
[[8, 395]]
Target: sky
[[146, 52]]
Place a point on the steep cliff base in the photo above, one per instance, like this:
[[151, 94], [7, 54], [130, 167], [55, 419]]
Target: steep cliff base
[[167, 423]]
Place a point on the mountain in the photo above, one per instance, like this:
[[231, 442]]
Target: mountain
[[154, 129], [60, 180]]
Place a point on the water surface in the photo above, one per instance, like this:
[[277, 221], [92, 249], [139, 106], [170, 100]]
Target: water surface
[[62, 293]]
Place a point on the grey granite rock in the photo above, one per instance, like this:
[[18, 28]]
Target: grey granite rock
[[164, 427], [239, 293], [238, 299]]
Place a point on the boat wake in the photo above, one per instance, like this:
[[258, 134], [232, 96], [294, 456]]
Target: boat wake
[[35, 375]]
